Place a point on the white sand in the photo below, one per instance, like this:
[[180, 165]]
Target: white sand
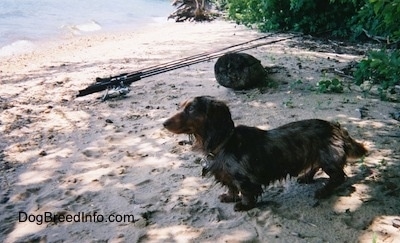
[[59, 155]]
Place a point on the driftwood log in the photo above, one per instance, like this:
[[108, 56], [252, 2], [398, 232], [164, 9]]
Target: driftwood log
[[192, 10], [239, 71]]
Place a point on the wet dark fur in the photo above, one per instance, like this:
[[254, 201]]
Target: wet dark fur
[[244, 158]]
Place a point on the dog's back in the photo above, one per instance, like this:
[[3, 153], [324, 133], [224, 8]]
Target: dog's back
[[298, 147]]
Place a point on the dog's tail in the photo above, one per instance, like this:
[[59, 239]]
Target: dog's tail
[[353, 148]]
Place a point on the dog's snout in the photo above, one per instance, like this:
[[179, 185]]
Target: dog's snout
[[166, 123], [170, 123]]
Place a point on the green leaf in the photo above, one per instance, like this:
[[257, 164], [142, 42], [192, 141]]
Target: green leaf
[[375, 63], [336, 82]]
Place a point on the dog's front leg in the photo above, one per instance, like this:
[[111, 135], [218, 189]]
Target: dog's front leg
[[231, 196], [248, 202], [308, 177], [250, 193]]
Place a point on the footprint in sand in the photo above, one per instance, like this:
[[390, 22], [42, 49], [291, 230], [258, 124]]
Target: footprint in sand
[[92, 152], [26, 194], [128, 194]]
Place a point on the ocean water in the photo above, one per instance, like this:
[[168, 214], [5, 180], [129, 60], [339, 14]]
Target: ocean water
[[24, 22]]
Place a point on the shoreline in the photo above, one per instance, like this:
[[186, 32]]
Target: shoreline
[[69, 33], [65, 155], [92, 42], [33, 21]]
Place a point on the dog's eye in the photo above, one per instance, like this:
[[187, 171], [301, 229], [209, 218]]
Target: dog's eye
[[190, 109]]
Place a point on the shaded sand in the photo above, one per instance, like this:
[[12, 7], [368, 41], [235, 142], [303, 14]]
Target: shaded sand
[[65, 155]]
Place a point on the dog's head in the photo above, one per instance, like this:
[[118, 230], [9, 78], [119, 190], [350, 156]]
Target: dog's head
[[204, 117]]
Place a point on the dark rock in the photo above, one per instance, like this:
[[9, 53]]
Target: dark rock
[[43, 153], [239, 71]]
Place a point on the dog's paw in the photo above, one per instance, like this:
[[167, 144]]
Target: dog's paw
[[239, 206], [228, 198], [322, 193]]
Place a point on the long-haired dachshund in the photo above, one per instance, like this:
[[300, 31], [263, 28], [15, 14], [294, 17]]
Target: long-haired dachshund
[[244, 158]]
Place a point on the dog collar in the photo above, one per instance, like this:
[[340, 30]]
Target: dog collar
[[219, 147]]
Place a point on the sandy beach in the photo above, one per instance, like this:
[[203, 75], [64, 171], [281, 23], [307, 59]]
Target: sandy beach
[[67, 156]]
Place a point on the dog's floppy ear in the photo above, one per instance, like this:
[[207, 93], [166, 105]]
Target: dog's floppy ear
[[218, 113], [218, 125]]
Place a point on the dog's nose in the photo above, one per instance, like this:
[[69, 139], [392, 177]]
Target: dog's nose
[[166, 123]]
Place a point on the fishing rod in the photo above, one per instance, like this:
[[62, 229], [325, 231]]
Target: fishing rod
[[166, 65], [171, 63], [118, 85], [208, 57]]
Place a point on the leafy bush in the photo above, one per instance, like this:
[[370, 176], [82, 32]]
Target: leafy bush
[[344, 18], [381, 68], [307, 16], [379, 18]]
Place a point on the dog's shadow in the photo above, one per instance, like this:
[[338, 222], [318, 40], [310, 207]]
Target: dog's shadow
[[274, 197]]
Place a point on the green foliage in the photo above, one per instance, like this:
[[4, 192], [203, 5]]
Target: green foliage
[[265, 14], [330, 86], [307, 16], [344, 18], [381, 68], [288, 103], [379, 18]]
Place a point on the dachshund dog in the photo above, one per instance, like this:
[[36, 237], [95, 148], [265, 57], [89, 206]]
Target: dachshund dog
[[244, 158]]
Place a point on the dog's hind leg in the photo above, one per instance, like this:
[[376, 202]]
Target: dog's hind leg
[[332, 163]]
